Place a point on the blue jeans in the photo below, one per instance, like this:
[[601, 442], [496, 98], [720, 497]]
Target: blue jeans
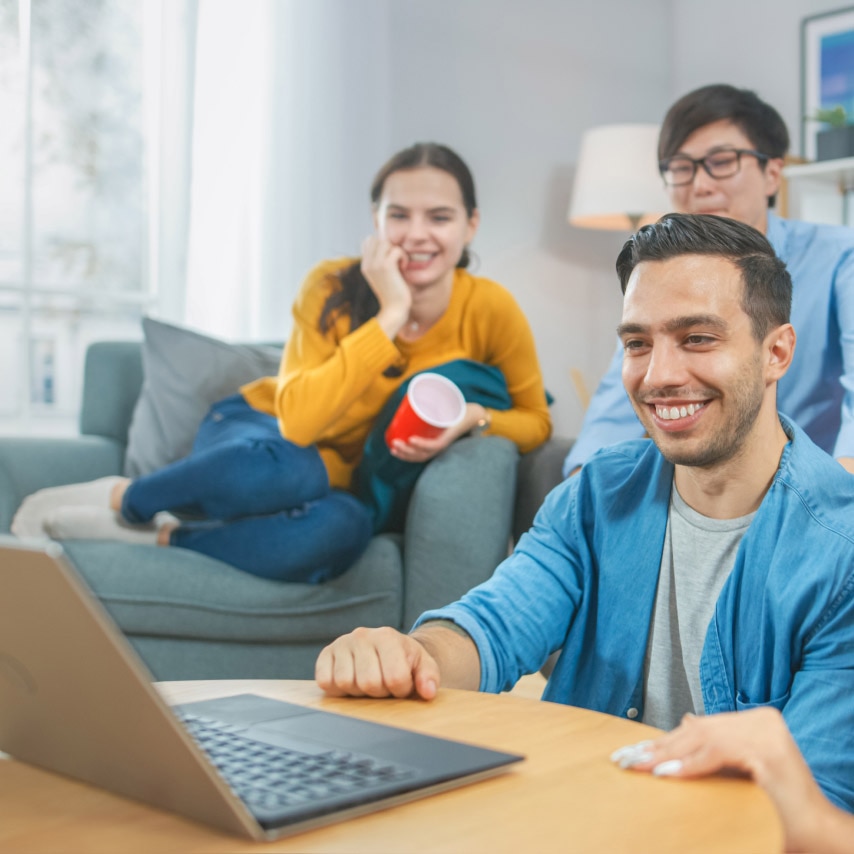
[[260, 502]]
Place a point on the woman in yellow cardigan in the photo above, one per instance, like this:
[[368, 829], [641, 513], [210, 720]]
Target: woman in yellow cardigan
[[272, 468]]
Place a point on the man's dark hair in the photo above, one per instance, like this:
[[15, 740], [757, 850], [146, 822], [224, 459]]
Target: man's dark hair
[[767, 293], [758, 121]]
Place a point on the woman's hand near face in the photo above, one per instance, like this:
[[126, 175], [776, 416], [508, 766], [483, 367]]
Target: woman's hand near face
[[381, 262], [419, 450]]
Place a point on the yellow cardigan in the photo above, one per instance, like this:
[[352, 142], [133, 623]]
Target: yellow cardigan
[[331, 387]]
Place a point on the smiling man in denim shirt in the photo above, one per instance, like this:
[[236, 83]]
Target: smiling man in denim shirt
[[709, 570]]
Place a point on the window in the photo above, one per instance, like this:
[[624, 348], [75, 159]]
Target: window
[[73, 206]]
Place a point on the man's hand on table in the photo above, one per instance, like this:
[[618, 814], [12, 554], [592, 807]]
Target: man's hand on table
[[386, 663], [377, 663]]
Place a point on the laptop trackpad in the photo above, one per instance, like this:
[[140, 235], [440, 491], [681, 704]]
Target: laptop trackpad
[[245, 709], [334, 732]]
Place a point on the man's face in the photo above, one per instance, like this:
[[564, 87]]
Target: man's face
[[743, 196], [691, 366]]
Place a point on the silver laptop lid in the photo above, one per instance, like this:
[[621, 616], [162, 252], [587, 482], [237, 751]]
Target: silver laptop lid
[[76, 699], [100, 720]]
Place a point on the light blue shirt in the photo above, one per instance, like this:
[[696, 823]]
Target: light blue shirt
[[583, 580], [818, 389]]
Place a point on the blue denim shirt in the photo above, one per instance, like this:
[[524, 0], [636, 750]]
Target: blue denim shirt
[[818, 389], [583, 580]]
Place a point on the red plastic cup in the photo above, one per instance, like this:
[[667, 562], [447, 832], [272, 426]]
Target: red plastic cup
[[432, 404]]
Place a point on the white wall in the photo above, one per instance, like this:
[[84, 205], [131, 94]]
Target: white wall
[[330, 132], [749, 43], [512, 85]]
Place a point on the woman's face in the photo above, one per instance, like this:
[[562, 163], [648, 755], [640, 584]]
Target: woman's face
[[422, 211]]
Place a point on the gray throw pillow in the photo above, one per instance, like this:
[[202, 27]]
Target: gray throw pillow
[[184, 373]]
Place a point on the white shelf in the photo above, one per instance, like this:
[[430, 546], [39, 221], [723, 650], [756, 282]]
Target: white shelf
[[834, 172], [822, 191]]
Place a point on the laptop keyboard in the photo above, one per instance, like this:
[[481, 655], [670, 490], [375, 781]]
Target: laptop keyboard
[[271, 780]]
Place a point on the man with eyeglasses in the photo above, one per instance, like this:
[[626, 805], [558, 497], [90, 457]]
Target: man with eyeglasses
[[721, 152]]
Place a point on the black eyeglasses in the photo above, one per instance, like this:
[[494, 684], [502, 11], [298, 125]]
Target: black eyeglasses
[[680, 169]]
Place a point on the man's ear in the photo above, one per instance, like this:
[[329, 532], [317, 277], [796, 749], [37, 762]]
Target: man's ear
[[773, 176], [780, 349]]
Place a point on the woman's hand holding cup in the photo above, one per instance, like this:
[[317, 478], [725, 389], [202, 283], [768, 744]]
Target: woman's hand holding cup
[[431, 416], [419, 449]]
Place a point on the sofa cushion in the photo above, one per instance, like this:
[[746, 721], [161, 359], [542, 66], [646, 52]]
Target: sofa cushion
[[184, 373], [184, 594]]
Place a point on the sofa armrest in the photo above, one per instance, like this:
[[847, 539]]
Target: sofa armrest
[[540, 472], [458, 523], [111, 385], [30, 464]]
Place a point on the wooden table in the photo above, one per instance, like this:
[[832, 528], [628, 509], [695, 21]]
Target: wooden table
[[566, 797]]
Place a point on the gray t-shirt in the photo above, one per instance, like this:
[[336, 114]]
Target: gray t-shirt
[[697, 558]]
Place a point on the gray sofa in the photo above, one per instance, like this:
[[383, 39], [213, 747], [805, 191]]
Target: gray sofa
[[192, 617]]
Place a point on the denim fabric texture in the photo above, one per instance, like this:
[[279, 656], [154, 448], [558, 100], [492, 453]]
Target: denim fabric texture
[[254, 500]]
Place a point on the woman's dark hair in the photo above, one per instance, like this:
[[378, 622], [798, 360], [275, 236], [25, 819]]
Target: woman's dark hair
[[355, 296], [767, 294], [758, 121]]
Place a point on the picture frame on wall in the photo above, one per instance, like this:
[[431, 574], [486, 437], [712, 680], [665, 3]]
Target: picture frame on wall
[[827, 81]]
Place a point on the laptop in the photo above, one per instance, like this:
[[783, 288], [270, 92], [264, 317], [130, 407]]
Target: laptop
[[76, 699]]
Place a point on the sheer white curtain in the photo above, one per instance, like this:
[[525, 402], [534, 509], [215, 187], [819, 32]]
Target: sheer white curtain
[[265, 168], [170, 40], [230, 161]]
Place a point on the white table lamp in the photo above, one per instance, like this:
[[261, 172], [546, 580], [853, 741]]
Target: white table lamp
[[617, 183]]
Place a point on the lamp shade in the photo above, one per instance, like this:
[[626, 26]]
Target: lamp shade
[[617, 183]]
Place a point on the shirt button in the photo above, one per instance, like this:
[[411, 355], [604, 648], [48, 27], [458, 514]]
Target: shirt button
[[632, 713]]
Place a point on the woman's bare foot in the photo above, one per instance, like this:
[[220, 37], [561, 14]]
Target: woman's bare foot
[[117, 493]]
